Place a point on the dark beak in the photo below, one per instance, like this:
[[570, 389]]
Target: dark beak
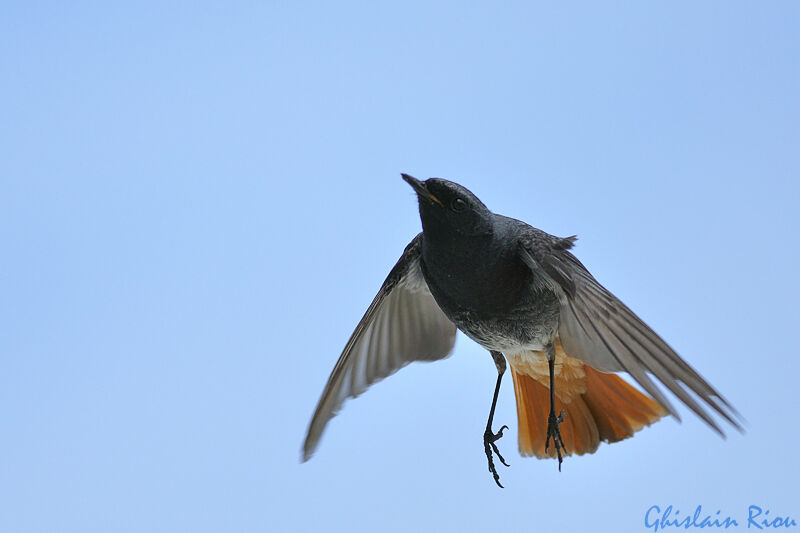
[[419, 188]]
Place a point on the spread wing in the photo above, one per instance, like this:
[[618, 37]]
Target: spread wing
[[402, 324], [597, 328]]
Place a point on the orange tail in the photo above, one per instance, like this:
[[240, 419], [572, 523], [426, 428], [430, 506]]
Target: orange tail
[[609, 410]]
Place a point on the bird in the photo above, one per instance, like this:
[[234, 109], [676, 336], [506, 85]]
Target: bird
[[521, 294]]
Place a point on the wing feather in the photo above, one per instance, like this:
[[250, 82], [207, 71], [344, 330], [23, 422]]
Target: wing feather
[[597, 328], [402, 324]]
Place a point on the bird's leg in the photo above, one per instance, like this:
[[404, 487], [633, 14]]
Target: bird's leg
[[552, 420], [489, 437]]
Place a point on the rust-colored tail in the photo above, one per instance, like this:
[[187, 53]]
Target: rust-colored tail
[[609, 410]]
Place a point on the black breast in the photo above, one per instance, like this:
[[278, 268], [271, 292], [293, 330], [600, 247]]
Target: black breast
[[484, 278]]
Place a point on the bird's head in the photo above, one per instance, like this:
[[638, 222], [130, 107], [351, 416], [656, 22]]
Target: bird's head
[[446, 208]]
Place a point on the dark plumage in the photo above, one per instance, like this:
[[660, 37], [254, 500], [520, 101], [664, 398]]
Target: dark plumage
[[522, 294]]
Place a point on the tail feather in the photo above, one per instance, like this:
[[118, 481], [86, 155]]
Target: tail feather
[[609, 410], [618, 407]]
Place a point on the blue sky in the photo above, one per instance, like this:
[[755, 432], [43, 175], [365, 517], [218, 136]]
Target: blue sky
[[198, 201]]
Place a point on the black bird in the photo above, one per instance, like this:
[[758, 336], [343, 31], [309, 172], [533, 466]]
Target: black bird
[[520, 293]]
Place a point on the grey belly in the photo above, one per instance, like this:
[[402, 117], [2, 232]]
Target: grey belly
[[530, 329]]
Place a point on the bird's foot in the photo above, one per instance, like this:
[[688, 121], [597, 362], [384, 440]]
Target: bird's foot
[[489, 439], [555, 433]]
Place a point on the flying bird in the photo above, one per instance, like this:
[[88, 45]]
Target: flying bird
[[521, 294]]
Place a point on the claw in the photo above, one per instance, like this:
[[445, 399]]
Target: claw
[[554, 432], [489, 445], [553, 421], [495, 437], [494, 447], [489, 437]]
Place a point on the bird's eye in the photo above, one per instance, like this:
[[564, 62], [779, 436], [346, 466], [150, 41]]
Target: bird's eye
[[458, 205]]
